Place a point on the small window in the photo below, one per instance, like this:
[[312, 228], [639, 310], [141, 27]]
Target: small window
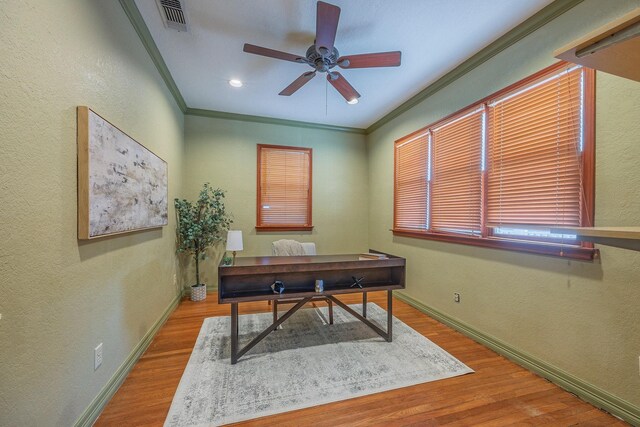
[[456, 182], [412, 183], [284, 188], [536, 145]]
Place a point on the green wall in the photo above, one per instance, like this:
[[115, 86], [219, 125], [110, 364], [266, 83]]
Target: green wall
[[582, 318], [59, 298], [223, 152]]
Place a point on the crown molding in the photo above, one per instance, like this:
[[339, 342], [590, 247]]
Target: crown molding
[[541, 18], [134, 15], [269, 120], [141, 28], [544, 16]]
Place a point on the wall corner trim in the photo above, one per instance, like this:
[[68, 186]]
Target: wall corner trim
[[269, 120], [93, 411], [547, 14], [588, 392], [542, 17], [137, 21], [132, 12]]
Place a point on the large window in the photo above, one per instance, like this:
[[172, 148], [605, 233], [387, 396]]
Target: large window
[[284, 188], [504, 171]]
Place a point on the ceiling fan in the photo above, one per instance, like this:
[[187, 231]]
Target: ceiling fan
[[322, 56]]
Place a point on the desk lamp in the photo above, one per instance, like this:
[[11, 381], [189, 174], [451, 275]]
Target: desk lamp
[[234, 242]]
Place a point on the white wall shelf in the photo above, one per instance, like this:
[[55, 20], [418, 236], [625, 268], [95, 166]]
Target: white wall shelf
[[620, 58], [621, 237]]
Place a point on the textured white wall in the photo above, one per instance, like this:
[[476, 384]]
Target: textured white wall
[[59, 297]]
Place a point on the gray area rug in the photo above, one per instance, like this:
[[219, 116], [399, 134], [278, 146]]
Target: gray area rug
[[306, 363]]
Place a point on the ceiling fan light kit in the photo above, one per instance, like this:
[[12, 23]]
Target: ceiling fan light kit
[[323, 56]]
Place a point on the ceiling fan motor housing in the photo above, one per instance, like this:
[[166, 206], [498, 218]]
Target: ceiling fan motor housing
[[322, 63]]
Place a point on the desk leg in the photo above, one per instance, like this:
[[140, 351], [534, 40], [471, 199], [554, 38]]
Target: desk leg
[[275, 311], [364, 304], [234, 333], [389, 315], [238, 354], [358, 316]]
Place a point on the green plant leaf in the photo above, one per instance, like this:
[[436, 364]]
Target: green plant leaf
[[203, 223]]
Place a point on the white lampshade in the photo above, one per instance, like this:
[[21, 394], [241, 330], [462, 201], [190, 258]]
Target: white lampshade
[[234, 240]]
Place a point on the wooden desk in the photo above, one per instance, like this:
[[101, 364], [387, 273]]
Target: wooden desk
[[250, 279]]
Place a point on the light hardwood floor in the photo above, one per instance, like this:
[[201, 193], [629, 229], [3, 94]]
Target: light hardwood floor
[[499, 393]]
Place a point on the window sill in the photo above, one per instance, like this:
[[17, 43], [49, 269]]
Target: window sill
[[284, 228], [571, 252]]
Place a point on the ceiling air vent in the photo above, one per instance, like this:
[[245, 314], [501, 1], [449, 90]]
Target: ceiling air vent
[[173, 15]]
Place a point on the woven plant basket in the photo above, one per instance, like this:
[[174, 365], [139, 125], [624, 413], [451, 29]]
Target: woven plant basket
[[198, 292]]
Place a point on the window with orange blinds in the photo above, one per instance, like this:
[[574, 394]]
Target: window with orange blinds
[[535, 161], [457, 175], [505, 170], [411, 183], [284, 188]]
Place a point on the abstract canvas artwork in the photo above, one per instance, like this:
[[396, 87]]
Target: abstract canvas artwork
[[122, 186]]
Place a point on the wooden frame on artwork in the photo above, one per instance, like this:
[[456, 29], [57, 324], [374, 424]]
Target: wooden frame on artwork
[[122, 186]]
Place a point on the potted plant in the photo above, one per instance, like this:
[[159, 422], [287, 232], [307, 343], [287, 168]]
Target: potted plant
[[201, 224]]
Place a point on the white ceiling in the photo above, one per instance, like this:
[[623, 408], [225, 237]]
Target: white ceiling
[[434, 36]]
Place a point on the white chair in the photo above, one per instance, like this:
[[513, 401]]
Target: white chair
[[291, 246], [285, 247], [309, 248]]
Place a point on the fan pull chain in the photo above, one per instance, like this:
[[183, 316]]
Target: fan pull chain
[[326, 102]]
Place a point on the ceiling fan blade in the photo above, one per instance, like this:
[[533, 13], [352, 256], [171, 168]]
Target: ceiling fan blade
[[342, 85], [369, 60], [298, 83], [326, 27], [257, 50]]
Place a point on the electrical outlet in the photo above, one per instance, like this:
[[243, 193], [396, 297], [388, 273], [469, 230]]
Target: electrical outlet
[[97, 356], [456, 297], [175, 280]]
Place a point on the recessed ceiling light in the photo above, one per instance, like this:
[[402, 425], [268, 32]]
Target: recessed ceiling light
[[353, 101], [235, 83]]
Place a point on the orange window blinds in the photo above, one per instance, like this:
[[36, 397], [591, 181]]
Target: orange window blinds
[[535, 146], [411, 185], [504, 170], [456, 186], [284, 187]]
